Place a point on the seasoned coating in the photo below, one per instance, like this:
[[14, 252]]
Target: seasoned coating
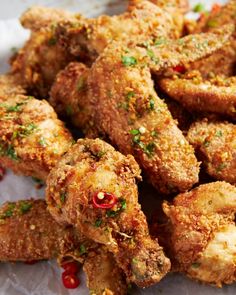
[[28, 232], [223, 61], [216, 95], [37, 17], [38, 62], [143, 21], [68, 94], [103, 275], [215, 143], [201, 233], [182, 5], [9, 86], [32, 139], [93, 166], [128, 110]]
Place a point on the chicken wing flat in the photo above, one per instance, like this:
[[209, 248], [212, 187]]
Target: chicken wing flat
[[29, 233], [89, 38], [216, 95], [223, 61], [88, 172], [215, 143], [32, 139], [201, 233]]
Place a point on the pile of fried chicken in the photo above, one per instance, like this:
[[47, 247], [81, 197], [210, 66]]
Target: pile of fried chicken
[[154, 95]]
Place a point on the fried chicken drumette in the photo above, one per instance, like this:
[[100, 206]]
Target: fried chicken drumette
[[29, 233], [80, 181], [32, 139], [200, 233], [215, 144], [41, 58], [216, 95]]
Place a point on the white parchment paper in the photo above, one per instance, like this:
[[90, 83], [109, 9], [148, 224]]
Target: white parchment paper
[[44, 278]]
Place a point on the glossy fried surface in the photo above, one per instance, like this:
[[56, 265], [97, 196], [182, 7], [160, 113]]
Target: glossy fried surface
[[89, 38], [215, 143], [93, 166], [201, 233], [28, 232], [216, 95], [9, 86], [32, 139]]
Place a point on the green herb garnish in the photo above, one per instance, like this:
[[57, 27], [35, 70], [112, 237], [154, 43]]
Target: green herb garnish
[[199, 8], [63, 197], [25, 207], [129, 61], [98, 222]]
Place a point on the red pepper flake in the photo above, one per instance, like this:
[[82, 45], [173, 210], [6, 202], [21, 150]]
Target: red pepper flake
[[71, 267], [104, 200], [2, 172], [180, 69], [70, 280]]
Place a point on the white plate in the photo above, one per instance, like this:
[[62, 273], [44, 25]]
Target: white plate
[[44, 278]]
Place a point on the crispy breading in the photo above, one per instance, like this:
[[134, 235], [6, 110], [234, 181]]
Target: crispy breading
[[88, 39], [223, 61], [38, 62], [32, 139], [200, 234], [215, 144], [217, 95], [93, 166], [37, 17], [103, 275], [9, 86], [182, 5], [28, 232]]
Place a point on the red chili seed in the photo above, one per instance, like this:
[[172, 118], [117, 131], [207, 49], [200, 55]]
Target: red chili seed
[[70, 281], [180, 69], [104, 200]]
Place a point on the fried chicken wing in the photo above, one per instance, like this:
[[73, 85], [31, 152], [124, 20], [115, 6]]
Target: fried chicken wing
[[9, 86], [29, 233], [92, 167], [200, 234], [37, 17], [89, 38], [215, 143], [32, 139], [215, 95]]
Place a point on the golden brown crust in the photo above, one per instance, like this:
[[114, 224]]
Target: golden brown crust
[[9, 86], [215, 95], [38, 62], [28, 232], [215, 143], [92, 166], [200, 234], [32, 139]]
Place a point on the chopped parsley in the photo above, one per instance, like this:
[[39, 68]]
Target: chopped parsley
[[199, 8], [129, 61], [206, 143], [114, 213], [25, 207], [81, 85], [196, 264], [82, 249], [219, 133], [147, 148], [43, 142], [160, 41], [63, 197], [130, 94], [151, 54], [212, 23], [98, 222], [151, 104], [8, 212], [221, 167], [15, 108], [52, 41]]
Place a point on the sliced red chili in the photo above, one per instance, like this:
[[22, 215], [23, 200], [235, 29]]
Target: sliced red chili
[[104, 200], [70, 280], [71, 267], [216, 8], [180, 69]]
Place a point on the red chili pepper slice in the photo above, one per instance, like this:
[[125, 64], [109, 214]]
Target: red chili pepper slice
[[180, 69], [70, 280], [216, 8], [104, 200], [71, 267]]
